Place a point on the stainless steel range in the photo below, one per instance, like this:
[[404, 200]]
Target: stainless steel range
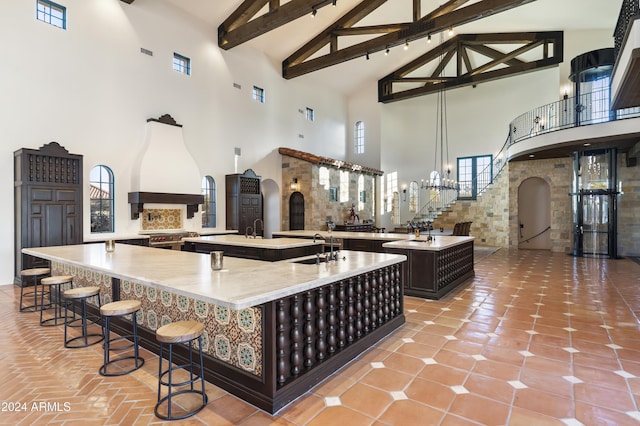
[[171, 240]]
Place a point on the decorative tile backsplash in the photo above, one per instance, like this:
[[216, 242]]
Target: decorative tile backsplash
[[159, 219]]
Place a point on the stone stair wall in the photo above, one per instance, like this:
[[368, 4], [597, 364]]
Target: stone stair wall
[[489, 214]]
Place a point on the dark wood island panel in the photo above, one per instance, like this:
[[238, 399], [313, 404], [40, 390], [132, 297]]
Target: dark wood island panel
[[434, 273]]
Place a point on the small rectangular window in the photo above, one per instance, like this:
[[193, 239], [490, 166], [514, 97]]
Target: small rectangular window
[[51, 13], [308, 114], [181, 64], [258, 94]]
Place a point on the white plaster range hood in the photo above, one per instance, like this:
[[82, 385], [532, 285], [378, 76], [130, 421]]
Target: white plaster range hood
[[165, 171]]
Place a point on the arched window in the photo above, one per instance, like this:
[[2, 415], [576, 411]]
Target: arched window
[[414, 197], [358, 138], [209, 206], [101, 196]]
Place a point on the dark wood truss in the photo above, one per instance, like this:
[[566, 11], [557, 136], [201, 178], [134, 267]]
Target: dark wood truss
[[475, 59], [449, 15], [242, 25]]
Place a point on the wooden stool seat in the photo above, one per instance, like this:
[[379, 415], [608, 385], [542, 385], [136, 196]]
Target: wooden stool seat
[[122, 307], [81, 294], [56, 279], [123, 364], [33, 273], [53, 283], [178, 332]]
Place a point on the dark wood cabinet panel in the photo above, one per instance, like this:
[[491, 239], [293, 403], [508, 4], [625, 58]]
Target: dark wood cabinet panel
[[47, 201], [243, 201], [433, 274]]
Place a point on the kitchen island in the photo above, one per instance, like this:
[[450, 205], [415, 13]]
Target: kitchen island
[[254, 248], [272, 329], [434, 266]]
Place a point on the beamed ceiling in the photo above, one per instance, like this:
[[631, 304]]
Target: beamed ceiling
[[342, 43]]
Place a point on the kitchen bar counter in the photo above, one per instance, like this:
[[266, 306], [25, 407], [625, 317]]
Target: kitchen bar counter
[[242, 283], [273, 330]]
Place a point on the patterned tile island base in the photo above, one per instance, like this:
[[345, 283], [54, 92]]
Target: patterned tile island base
[[231, 336]]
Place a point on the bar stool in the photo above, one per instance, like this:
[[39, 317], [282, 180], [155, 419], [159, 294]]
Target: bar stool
[[80, 294], [53, 283], [120, 309], [36, 274], [174, 333]]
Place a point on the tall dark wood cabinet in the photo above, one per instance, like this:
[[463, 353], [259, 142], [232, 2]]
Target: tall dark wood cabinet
[[244, 200], [47, 201]]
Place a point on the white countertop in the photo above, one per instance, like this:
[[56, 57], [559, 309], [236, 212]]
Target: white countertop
[[438, 242], [378, 236], [258, 242], [104, 236], [343, 234], [240, 284]]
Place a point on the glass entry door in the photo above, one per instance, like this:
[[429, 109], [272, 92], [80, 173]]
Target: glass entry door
[[594, 203]]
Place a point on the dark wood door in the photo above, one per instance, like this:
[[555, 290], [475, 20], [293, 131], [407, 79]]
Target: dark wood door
[[296, 211]]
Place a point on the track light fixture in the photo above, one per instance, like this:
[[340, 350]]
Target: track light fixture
[[313, 12], [367, 56], [429, 38], [406, 45], [334, 3], [386, 52], [450, 31]]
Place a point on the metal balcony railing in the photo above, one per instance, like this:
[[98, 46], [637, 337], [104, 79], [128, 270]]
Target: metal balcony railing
[[587, 109]]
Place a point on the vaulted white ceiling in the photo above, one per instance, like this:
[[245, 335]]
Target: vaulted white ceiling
[[347, 77]]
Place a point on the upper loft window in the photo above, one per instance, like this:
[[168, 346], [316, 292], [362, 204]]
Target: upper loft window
[[258, 94], [51, 13], [309, 115], [181, 64], [358, 138], [474, 175], [101, 199]]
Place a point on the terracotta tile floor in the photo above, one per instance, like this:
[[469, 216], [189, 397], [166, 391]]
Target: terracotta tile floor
[[535, 338]]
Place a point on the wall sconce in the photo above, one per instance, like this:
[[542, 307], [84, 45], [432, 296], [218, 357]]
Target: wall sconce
[[404, 192], [294, 184]]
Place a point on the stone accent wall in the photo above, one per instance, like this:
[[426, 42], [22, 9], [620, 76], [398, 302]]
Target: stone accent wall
[[489, 214], [317, 205]]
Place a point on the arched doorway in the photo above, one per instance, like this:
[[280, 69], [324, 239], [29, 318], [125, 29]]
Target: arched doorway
[[534, 214], [296, 211]]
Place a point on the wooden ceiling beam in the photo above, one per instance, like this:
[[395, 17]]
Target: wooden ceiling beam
[[449, 6], [239, 27], [372, 29], [459, 45], [346, 21], [297, 64]]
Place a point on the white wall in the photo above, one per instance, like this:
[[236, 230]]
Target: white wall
[[90, 89]]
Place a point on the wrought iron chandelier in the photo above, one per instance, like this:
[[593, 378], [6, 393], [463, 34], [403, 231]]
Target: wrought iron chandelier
[[440, 178]]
